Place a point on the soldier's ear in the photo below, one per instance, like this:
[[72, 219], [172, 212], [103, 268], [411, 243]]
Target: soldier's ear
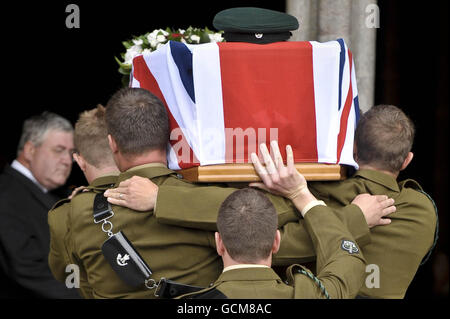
[[80, 161], [276, 242], [219, 244], [407, 160], [112, 144]]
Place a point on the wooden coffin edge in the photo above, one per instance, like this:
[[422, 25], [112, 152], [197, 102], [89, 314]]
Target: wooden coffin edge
[[246, 173]]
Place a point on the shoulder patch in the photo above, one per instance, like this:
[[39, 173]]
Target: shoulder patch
[[60, 203], [349, 246]]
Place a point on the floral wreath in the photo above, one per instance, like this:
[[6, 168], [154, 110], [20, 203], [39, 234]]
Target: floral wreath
[[153, 40]]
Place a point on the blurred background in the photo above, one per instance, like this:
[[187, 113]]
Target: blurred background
[[49, 67]]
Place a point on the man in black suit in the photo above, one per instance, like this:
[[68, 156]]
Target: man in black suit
[[27, 193]]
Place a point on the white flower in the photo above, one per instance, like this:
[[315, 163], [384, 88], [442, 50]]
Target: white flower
[[131, 53], [161, 38], [146, 51], [215, 37], [152, 36], [138, 42], [181, 31], [153, 43], [165, 33], [183, 40], [195, 38]]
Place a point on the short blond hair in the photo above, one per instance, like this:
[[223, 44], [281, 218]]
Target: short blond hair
[[91, 138]]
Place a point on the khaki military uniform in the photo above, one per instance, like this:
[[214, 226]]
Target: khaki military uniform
[[396, 249], [60, 230], [198, 208], [183, 255], [340, 267]]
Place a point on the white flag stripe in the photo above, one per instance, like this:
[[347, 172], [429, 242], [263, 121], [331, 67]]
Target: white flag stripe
[[347, 150], [172, 160], [326, 98], [184, 104], [159, 63], [209, 103]]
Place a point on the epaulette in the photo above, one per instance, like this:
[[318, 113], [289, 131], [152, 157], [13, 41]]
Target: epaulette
[[299, 269], [60, 202], [410, 183], [95, 189]]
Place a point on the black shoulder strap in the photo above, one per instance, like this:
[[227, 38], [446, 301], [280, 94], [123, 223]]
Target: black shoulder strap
[[171, 289], [102, 208]]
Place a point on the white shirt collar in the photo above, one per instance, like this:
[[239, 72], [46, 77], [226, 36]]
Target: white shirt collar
[[240, 266], [25, 171]]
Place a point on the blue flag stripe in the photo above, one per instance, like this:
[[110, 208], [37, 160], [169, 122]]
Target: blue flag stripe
[[341, 69], [357, 111], [182, 57]]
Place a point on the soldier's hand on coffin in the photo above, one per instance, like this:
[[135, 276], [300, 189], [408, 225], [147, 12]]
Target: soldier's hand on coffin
[[375, 208], [280, 179], [136, 193]]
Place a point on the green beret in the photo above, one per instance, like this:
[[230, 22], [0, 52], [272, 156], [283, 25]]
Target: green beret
[[255, 25]]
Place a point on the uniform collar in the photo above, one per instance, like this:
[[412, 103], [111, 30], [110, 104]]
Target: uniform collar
[[104, 180], [150, 170], [240, 266], [249, 274], [379, 178]]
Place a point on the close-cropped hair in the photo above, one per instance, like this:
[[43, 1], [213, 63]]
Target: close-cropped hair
[[137, 120], [36, 127], [247, 223], [91, 138], [384, 137]]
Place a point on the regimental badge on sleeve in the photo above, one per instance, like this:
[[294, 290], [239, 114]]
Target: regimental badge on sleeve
[[349, 246]]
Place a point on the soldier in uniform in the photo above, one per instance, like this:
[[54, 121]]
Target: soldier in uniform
[[247, 236], [138, 126], [384, 134], [383, 143], [94, 158]]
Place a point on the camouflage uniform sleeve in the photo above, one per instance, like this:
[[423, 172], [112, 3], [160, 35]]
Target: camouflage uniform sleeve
[[340, 263]]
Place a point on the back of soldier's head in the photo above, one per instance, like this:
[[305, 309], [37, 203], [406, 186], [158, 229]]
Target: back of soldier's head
[[91, 138], [247, 223], [384, 137], [138, 121]]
